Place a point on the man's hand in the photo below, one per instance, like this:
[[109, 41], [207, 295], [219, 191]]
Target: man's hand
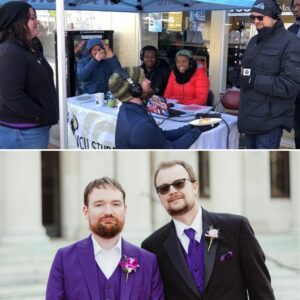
[[246, 79], [100, 55]]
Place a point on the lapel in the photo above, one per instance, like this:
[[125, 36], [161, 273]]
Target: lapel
[[130, 251], [85, 255], [209, 256], [173, 250]]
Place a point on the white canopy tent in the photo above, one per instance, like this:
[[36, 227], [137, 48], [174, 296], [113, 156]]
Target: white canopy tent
[[135, 6]]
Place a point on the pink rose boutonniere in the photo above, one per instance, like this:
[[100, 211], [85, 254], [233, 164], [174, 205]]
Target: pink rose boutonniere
[[212, 234], [129, 264]]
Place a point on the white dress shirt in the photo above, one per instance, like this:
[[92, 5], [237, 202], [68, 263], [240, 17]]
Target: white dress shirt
[[107, 260], [196, 225]]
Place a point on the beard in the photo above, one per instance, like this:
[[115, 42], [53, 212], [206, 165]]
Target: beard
[[107, 230], [181, 210]]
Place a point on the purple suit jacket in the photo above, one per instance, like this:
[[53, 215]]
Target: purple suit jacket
[[73, 275]]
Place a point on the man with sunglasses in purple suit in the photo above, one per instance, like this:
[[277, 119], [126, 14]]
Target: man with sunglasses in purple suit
[[104, 266], [269, 79], [203, 255]]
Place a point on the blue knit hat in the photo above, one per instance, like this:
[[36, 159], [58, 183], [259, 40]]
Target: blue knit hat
[[268, 8]]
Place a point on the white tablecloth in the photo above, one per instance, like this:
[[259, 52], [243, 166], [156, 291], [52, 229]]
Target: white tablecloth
[[93, 127]]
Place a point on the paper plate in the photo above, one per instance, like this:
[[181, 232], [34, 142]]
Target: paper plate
[[205, 121]]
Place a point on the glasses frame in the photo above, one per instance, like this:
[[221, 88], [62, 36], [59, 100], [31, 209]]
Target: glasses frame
[[177, 184], [259, 18]]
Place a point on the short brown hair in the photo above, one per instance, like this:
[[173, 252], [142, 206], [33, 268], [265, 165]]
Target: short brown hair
[[172, 163], [102, 183]]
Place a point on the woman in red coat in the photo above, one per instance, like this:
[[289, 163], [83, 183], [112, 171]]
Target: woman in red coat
[[187, 83]]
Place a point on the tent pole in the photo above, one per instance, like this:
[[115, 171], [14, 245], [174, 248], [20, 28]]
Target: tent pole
[[61, 73]]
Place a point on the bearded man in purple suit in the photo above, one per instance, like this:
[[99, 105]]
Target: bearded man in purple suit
[[104, 265], [203, 255]]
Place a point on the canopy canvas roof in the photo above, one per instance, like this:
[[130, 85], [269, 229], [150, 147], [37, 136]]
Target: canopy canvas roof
[[141, 5]]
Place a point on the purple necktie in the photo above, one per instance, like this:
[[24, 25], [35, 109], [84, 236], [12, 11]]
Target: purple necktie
[[195, 259], [193, 243]]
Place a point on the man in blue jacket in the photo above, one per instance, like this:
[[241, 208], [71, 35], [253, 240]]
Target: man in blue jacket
[[136, 128], [295, 28], [270, 79], [96, 66]]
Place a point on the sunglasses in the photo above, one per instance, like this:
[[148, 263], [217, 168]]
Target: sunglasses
[[177, 184], [259, 18]]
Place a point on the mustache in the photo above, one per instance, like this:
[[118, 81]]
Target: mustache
[[108, 217], [173, 198]]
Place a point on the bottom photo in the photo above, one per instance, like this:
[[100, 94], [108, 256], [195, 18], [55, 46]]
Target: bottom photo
[[145, 225]]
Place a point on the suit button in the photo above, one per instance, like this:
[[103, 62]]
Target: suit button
[[196, 268], [108, 286]]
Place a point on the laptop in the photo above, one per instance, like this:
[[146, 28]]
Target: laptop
[[159, 106]]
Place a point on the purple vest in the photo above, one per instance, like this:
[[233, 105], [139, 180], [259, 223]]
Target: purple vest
[[196, 265], [109, 289]]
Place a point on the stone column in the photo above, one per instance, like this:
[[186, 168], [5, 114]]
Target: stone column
[[21, 197], [218, 52], [295, 190], [133, 172], [226, 177]]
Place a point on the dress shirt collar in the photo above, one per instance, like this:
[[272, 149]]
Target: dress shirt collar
[[99, 249], [196, 225]]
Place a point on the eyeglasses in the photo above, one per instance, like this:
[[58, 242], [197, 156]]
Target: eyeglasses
[[259, 18], [177, 184]]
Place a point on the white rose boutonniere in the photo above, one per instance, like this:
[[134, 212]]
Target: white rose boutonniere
[[212, 234]]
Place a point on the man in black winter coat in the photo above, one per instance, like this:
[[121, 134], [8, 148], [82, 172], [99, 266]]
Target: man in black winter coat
[[295, 28], [269, 80]]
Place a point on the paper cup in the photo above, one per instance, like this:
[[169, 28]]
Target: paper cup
[[99, 99]]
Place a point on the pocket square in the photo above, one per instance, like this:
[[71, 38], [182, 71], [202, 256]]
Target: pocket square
[[227, 256]]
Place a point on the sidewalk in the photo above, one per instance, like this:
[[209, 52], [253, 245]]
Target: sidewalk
[[283, 261], [24, 270]]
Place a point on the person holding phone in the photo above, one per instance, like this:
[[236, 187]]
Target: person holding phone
[[96, 66]]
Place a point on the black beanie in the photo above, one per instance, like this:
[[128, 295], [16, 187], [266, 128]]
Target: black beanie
[[12, 12], [268, 8]]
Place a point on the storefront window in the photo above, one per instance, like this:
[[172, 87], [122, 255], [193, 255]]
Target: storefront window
[[172, 31], [280, 174]]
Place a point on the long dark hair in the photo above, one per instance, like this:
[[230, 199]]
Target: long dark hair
[[19, 31]]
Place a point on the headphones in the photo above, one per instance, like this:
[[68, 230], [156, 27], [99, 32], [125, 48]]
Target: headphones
[[148, 48], [276, 10], [135, 89]]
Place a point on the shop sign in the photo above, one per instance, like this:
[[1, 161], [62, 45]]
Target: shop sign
[[155, 22], [175, 21]]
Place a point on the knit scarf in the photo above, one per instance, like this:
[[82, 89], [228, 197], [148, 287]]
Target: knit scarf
[[183, 78]]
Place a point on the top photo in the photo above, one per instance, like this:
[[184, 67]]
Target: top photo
[[140, 74]]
